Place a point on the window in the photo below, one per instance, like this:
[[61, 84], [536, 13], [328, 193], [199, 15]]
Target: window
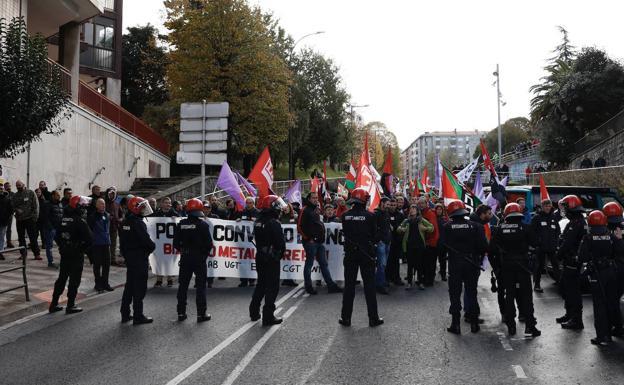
[[104, 36]]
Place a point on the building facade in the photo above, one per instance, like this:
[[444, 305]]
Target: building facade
[[102, 143], [460, 143]]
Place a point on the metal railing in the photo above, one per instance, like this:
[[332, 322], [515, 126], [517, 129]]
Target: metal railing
[[22, 267], [600, 134], [65, 77], [109, 110]]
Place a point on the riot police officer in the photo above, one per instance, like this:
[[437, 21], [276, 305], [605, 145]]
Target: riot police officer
[[599, 250], [465, 242], [510, 249], [270, 247], [546, 229], [135, 246], [193, 240], [360, 235], [73, 238], [615, 224], [567, 253]]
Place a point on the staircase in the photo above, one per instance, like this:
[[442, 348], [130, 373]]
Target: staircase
[[146, 187]]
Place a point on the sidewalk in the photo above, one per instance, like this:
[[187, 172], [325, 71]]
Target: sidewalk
[[41, 278]]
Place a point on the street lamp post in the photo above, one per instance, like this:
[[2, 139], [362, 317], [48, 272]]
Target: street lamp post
[[498, 104], [352, 107], [291, 166]]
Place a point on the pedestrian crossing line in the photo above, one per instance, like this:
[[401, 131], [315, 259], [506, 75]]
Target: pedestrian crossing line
[[238, 370], [297, 294], [278, 310], [518, 371], [225, 343], [504, 341]]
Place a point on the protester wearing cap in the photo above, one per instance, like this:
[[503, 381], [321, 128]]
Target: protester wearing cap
[[192, 238], [135, 246]]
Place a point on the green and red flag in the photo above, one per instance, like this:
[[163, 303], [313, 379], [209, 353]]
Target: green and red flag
[[452, 189], [350, 177]]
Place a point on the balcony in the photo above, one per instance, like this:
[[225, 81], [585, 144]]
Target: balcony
[[47, 16], [98, 58]]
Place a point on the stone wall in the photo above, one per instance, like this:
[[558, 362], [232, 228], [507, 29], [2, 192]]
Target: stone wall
[[74, 157], [612, 150]]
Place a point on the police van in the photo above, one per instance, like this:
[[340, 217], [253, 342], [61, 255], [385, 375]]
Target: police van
[[592, 197]]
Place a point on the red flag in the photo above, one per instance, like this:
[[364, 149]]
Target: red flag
[[262, 173], [387, 169], [314, 185], [425, 180], [543, 191], [415, 188], [365, 178], [486, 159]]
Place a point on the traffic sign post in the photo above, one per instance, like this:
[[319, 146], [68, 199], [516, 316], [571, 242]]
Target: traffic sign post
[[203, 135]]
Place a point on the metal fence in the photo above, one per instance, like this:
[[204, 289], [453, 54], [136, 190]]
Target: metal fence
[[600, 134], [21, 267]]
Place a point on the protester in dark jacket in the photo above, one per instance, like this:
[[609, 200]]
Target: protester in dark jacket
[[99, 222], [113, 208], [414, 229], [47, 195], [45, 226], [6, 212], [26, 207]]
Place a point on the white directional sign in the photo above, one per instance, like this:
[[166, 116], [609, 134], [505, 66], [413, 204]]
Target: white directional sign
[[214, 159], [197, 137], [212, 124], [196, 146], [196, 110]]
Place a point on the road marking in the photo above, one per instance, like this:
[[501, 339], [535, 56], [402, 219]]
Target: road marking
[[298, 293], [278, 310], [233, 337], [519, 371], [238, 370], [320, 357], [504, 341]]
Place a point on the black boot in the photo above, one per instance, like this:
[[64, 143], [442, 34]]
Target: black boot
[[373, 322], [454, 328], [204, 317], [563, 319], [511, 328], [72, 309], [617, 332], [573, 324], [254, 317], [126, 318], [601, 341], [271, 321], [334, 289], [54, 308], [182, 317], [344, 321], [140, 320], [474, 326], [532, 331]]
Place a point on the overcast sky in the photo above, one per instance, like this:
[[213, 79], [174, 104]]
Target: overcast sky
[[427, 65]]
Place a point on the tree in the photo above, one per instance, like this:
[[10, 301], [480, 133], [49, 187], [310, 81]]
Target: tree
[[586, 96], [380, 138], [223, 51], [513, 132], [32, 100], [319, 102], [144, 65]]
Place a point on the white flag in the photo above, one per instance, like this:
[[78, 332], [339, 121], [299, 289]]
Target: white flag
[[465, 174]]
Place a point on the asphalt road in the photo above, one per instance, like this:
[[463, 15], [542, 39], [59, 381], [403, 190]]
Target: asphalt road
[[412, 347]]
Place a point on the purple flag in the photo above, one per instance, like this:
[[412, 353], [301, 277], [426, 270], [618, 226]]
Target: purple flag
[[250, 189], [294, 193], [492, 202], [227, 182], [438, 173]]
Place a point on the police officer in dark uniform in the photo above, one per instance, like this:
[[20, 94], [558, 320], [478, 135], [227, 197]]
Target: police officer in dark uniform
[[270, 247], [135, 246], [510, 250], [615, 224], [546, 229], [567, 253], [599, 250], [193, 240], [360, 234], [465, 242], [73, 238]]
